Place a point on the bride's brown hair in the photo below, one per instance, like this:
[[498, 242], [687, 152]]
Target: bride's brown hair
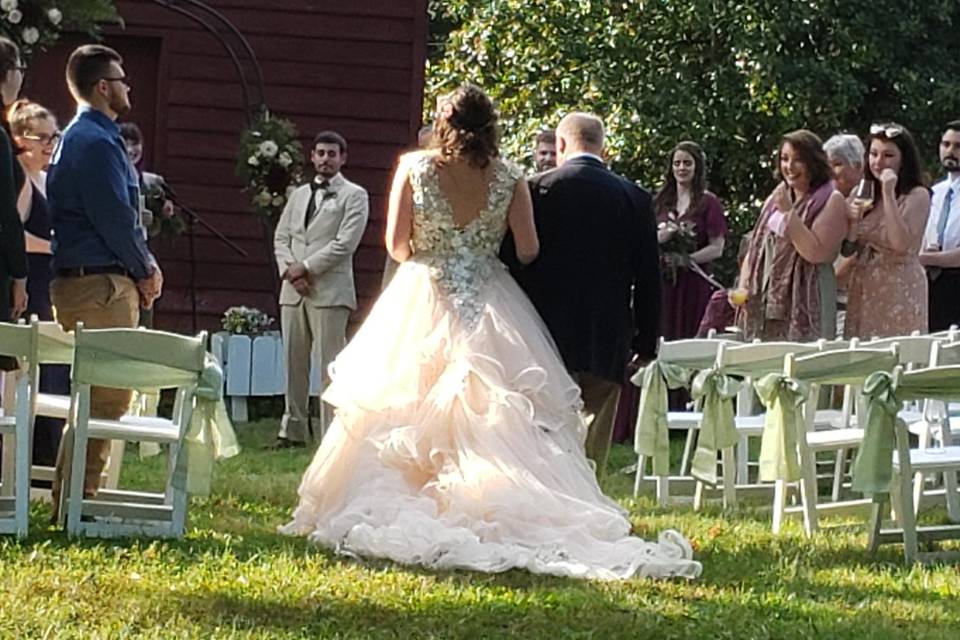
[[466, 126]]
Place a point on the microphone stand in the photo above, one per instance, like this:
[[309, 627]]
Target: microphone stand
[[194, 217]]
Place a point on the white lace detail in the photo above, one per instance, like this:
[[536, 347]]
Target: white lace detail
[[461, 259]]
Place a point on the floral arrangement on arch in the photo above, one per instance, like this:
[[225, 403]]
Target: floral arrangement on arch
[[36, 25], [245, 320], [270, 163]]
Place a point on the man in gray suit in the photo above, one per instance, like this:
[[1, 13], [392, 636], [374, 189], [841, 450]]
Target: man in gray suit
[[316, 237]]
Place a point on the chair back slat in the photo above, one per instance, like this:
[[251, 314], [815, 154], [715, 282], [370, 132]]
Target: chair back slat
[[137, 358], [759, 358], [914, 351], [16, 340], [843, 366], [696, 353], [54, 345], [945, 353]]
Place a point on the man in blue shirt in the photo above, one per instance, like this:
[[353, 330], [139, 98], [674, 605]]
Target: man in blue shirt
[[103, 269]]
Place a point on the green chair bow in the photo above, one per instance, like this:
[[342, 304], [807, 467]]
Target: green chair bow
[[210, 435], [714, 392], [873, 467], [652, 437], [783, 397]]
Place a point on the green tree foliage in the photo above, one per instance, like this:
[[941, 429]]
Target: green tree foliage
[[733, 75]]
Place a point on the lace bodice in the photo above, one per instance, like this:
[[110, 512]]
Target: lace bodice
[[460, 259]]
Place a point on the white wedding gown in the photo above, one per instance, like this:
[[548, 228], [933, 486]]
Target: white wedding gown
[[457, 441]]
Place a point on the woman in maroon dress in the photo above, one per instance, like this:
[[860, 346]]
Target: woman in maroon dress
[[682, 204]]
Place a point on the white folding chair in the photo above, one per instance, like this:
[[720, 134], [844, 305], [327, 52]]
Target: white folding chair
[[132, 359], [16, 428], [839, 367], [908, 463], [54, 346], [695, 353]]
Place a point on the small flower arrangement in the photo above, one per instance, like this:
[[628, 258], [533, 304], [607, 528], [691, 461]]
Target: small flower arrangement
[[36, 25], [270, 163], [245, 320], [675, 252]]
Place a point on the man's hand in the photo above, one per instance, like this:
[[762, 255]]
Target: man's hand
[[18, 298], [301, 285], [150, 288], [295, 271]]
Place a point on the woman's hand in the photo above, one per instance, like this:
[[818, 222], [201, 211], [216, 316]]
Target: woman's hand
[[781, 198], [888, 181], [665, 231]]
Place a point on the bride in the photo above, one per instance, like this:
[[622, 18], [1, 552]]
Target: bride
[[458, 441]]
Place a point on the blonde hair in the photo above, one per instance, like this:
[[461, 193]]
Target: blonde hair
[[23, 115]]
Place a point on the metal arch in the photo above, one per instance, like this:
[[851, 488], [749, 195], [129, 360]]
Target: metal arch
[[251, 108]]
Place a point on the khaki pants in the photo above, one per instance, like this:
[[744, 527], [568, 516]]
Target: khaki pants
[[600, 399], [99, 302], [310, 334]]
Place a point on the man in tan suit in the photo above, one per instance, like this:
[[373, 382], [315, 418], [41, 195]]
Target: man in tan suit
[[317, 234]]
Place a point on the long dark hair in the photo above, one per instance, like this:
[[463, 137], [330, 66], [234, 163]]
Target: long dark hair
[[809, 147], [910, 175], [466, 126], [9, 59], [666, 199]]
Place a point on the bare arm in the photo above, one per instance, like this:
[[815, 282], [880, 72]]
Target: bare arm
[[400, 216], [821, 242], [520, 219], [710, 252], [906, 222]]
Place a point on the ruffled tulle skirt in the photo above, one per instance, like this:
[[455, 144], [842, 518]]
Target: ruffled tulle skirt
[[458, 443]]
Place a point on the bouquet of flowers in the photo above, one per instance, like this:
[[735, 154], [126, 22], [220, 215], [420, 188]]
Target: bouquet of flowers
[[270, 163], [36, 25], [675, 252], [245, 320], [164, 220]]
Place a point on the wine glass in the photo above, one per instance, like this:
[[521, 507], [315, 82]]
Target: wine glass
[[863, 196]]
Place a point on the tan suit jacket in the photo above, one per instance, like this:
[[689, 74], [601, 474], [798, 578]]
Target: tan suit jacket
[[326, 246]]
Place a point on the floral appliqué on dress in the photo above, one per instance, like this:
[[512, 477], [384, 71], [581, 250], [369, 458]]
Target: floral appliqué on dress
[[460, 259]]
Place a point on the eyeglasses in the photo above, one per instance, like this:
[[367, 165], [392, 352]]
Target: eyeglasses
[[889, 131], [44, 139], [22, 68]]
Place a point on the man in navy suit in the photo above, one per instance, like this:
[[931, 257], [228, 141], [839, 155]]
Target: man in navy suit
[[596, 282]]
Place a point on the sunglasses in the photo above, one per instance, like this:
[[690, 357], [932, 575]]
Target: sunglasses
[[44, 139], [124, 79], [889, 131]]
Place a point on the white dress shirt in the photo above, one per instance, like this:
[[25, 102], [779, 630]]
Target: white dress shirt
[[951, 234]]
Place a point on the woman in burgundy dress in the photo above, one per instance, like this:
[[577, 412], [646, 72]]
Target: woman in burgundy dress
[[682, 206]]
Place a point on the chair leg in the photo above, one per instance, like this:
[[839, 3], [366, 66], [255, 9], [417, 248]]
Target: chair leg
[[908, 520], [779, 504], [687, 452], [950, 491], [808, 494], [638, 477], [918, 491], [663, 490], [838, 473], [876, 524], [78, 467], [728, 458], [743, 459]]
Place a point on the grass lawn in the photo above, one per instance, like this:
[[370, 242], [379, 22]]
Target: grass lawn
[[233, 577]]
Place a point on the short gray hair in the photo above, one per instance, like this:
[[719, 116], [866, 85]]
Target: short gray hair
[[846, 148]]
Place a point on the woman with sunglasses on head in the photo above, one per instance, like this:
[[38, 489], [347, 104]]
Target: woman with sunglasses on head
[[13, 257], [36, 136], [888, 286], [787, 289]]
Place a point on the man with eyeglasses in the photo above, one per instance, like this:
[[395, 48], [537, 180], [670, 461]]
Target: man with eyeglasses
[[102, 266], [941, 251]]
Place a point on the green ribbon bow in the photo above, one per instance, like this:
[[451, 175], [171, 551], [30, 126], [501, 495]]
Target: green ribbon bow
[[714, 392], [652, 437], [783, 397], [873, 467]]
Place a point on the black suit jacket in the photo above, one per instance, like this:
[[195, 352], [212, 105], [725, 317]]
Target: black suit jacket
[[596, 282], [13, 255]]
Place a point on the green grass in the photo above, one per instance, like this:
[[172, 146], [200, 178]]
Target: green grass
[[233, 577]]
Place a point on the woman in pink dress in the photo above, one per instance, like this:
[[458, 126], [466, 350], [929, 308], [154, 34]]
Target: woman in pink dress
[[888, 286]]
